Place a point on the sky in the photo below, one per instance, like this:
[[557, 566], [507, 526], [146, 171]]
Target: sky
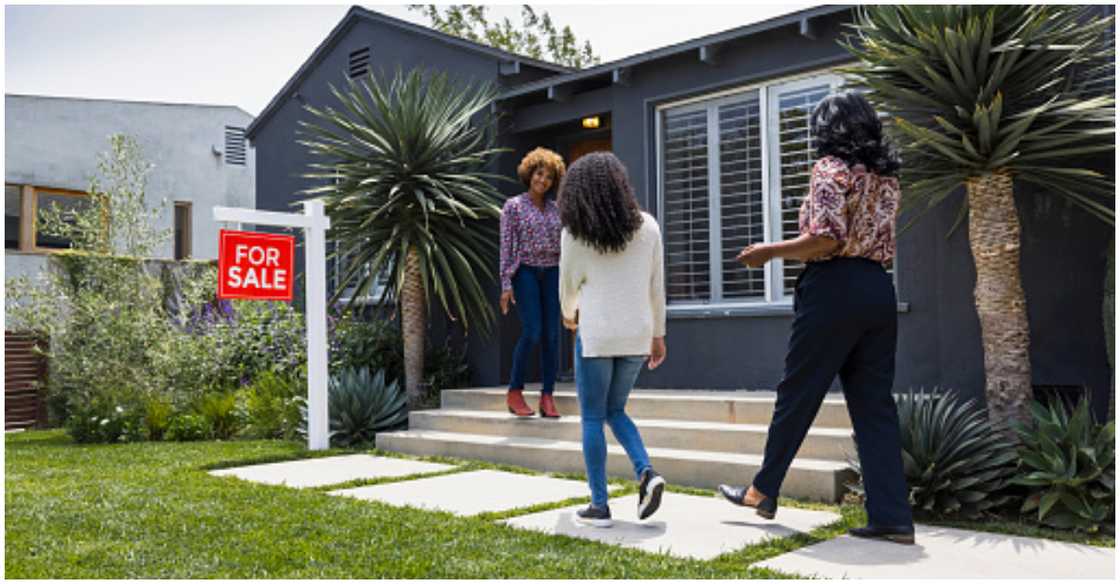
[[243, 55]]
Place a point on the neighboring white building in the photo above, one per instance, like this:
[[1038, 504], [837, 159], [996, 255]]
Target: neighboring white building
[[200, 153]]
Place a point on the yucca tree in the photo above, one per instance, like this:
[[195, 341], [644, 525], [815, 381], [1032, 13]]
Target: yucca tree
[[988, 97], [403, 162]]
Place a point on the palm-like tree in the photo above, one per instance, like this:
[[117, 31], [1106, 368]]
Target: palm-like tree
[[405, 185], [988, 96]]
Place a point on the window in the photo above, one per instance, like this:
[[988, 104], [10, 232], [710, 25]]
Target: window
[[69, 202], [235, 146], [13, 202], [733, 170], [182, 230], [340, 264]]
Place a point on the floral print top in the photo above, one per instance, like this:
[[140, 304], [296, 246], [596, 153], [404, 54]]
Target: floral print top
[[530, 236], [853, 206]]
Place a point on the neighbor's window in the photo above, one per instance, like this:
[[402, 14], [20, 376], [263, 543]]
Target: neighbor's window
[[733, 170], [12, 205], [341, 264], [182, 230], [68, 201]]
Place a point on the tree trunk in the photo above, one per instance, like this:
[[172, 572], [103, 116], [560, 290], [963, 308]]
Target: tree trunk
[[993, 232], [413, 325]]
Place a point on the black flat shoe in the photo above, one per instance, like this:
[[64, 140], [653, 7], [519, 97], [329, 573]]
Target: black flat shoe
[[766, 508], [901, 535]]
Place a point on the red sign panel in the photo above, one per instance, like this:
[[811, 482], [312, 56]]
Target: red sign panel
[[255, 266]]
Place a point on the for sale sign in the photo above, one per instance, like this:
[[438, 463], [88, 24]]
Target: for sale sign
[[255, 266]]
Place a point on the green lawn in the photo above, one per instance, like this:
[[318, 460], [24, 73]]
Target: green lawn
[[150, 510]]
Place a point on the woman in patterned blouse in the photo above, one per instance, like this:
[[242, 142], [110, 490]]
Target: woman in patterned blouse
[[846, 317], [530, 270]]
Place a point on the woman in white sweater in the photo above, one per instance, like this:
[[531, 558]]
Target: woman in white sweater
[[612, 292]]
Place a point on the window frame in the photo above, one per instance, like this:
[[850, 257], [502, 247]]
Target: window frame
[[29, 216], [766, 91], [371, 298]]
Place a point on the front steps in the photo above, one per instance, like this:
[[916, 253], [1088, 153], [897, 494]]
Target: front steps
[[694, 438]]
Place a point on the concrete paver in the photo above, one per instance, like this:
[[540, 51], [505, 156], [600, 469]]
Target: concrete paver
[[471, 493], [684, 526], [943, 552], [331, 470]]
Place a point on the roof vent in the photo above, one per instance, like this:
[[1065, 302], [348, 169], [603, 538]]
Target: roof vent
[[359, 62], [235, 145]]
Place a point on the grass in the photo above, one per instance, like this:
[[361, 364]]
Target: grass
[[150, 510]]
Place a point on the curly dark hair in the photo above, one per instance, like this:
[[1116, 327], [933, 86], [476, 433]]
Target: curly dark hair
[[845, 126], [537, 158], [597, 203]]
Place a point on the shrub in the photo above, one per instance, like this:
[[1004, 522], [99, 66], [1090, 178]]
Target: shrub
[[185, 427], [955, 462], [157, 417], [361, 405], [219, 410], [270, 405], [1068, 463], [102, 421]]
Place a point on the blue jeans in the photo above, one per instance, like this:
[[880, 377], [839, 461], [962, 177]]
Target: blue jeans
[[537, 294], [603, 384]]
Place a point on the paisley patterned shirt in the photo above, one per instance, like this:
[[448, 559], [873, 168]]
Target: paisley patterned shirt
[[530, 236], [853, 206]]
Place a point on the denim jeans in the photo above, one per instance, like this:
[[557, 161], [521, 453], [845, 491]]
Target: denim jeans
[[603, 384], [536, 292]]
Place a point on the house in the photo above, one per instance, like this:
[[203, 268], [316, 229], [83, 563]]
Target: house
[[200, 156], [714, 133]]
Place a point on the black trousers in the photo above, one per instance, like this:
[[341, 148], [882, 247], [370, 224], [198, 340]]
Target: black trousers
[[846, 324]]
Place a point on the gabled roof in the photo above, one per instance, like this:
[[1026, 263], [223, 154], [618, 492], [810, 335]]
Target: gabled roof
[[694, 45], [357, 13]]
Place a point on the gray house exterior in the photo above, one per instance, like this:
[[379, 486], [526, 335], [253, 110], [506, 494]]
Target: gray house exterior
[[714, 134], [200, 157]]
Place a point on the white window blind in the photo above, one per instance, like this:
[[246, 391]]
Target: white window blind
[[734, 170], [685, 212]]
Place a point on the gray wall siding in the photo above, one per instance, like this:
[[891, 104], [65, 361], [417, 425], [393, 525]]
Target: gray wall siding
[[55, 142]]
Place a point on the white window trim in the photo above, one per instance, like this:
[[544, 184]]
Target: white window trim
[[774, 296], [371, 297]]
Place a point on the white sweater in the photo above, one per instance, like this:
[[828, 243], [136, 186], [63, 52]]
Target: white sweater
[[620, 296]]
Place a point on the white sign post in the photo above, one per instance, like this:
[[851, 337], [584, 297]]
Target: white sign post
[[314, 223]]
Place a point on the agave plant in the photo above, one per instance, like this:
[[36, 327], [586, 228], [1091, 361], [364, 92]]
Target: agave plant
[[1069, 463], [360, 406], [955, 462], [985, 97], [404, 182]]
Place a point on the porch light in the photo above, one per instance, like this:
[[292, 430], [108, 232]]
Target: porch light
[[591, 122]]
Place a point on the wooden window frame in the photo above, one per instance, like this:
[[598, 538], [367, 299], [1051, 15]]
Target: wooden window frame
[[29, 215]]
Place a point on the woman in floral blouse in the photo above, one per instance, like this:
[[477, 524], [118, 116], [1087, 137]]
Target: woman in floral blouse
[[530, 276], [846, 318]]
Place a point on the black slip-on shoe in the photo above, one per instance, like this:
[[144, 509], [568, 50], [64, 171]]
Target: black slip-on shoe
[[767, 508], [902, 535], [649, 493], [594, 516]]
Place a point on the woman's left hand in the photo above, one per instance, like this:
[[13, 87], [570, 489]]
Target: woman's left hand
[[572, 324], [755, 256]]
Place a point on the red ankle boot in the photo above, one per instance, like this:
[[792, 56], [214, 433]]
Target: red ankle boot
[[516, 403], [548, 407]]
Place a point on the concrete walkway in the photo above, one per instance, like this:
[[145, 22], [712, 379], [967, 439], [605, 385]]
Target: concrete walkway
[[691, 526]]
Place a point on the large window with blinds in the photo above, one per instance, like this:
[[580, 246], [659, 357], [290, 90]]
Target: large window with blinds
[[733, 170]]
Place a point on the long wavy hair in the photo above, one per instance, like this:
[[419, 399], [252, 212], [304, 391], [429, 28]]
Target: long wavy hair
[[846, 126], [597, 203]]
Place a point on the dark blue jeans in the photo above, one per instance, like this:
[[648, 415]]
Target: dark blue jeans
[[846, 324], [537, 294]]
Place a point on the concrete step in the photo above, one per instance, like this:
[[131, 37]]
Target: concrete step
[[821, 443], [730, 407], [820, 480]]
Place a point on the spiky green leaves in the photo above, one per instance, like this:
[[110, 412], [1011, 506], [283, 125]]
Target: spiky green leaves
[[1069, 463], [361, 405], [974, 89], [402, 164], [955, 463]]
